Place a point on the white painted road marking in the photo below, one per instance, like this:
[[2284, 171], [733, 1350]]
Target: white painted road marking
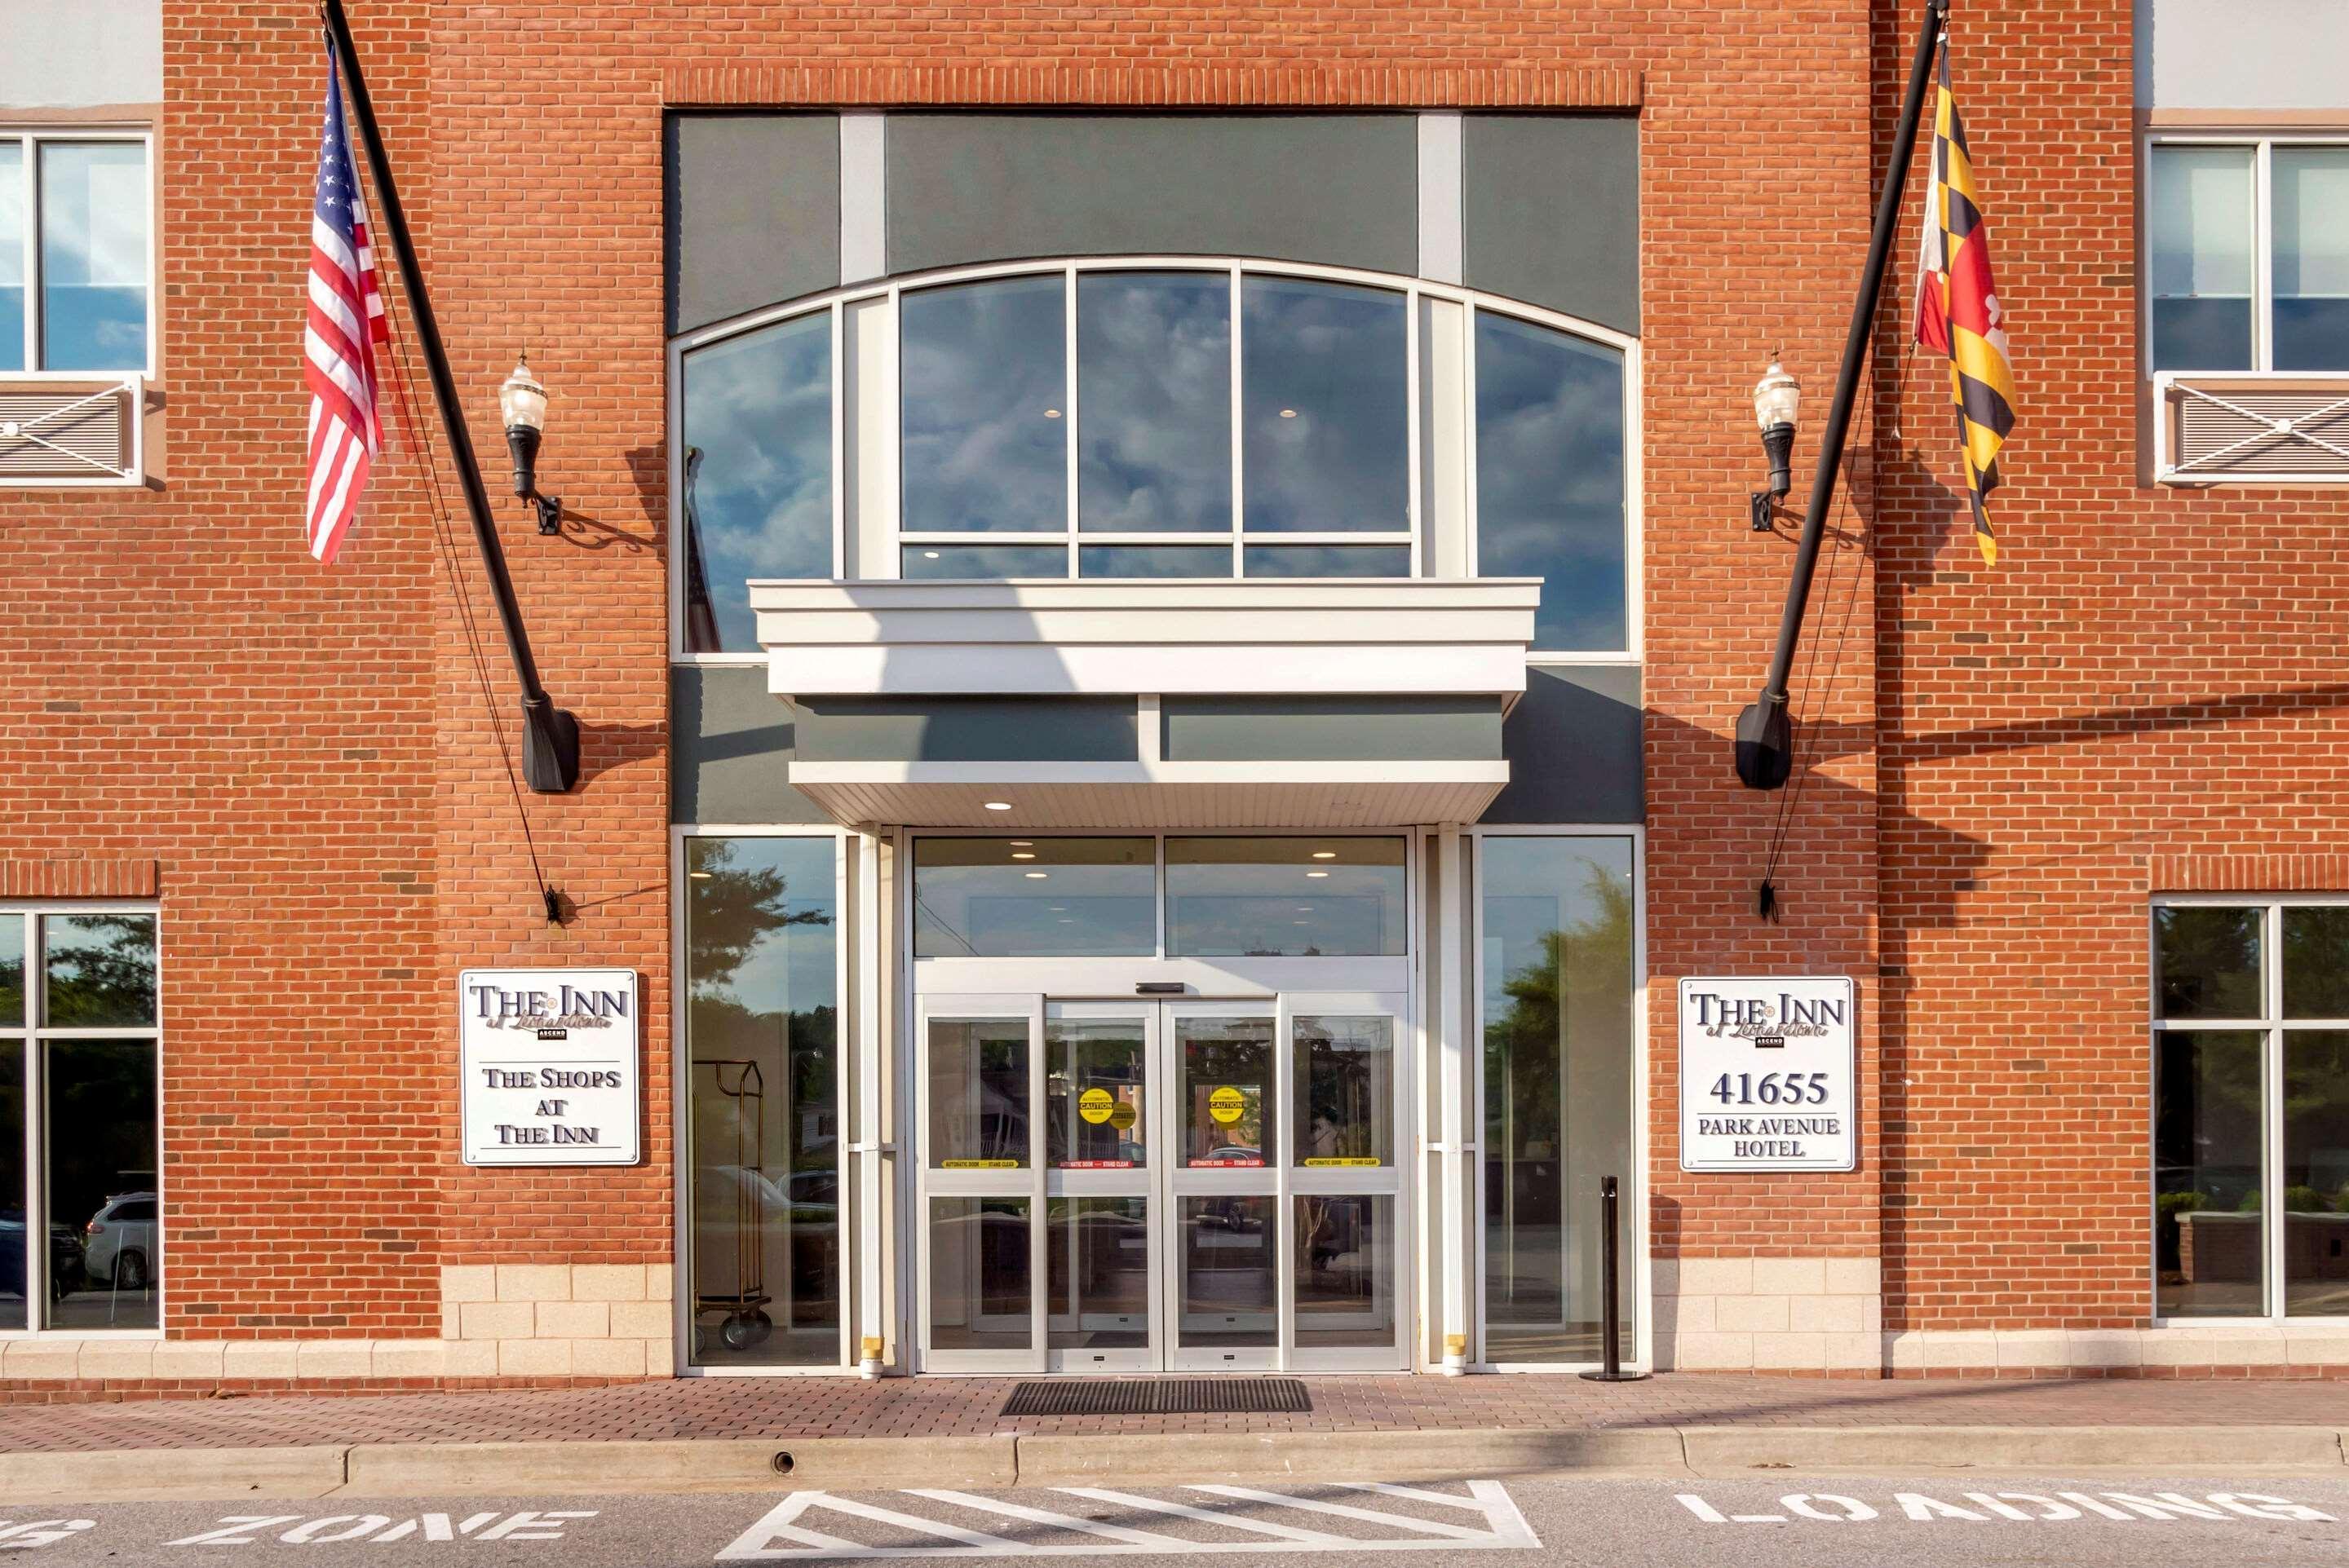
[[374, 1529], [1988, 1508], [784, 1535], [40, 1531]]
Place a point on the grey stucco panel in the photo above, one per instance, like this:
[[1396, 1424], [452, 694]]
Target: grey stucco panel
[[60, 55], [1340, 189], [967, 729], [753, 211], [1573, 745], [2237, 55], [1552, 212], [730, 749], [1332, 730]]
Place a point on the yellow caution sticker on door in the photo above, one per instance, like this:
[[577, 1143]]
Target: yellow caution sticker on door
[[1096, 1105], [1350, 1161], [1226, 1105], [1121, 1116], [978, 1165]]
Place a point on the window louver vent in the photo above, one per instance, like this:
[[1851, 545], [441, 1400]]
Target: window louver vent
[[75, 434], [2270, 429]]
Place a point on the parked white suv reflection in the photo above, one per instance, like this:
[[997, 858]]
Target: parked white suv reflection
[[119, 1245]]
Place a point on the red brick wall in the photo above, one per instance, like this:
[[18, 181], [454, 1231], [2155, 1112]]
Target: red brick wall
[[2149, 688]]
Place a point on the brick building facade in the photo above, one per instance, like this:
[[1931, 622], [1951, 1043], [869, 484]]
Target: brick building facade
[[299, 772]]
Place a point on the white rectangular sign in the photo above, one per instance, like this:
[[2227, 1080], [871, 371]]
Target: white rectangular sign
[[1768, 1075], [550, 1065]]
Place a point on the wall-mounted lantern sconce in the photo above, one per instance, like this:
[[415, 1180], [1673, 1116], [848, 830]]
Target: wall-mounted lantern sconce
[[523, 401], [1775, 398]]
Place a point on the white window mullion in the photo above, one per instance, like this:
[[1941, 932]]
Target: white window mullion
[[2262, 262], [1411, 352]]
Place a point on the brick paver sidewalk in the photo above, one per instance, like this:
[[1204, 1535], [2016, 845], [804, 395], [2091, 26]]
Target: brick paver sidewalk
[[949, 1407]]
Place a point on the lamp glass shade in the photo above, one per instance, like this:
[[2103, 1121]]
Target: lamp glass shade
[[1776, 397], [523, 400]]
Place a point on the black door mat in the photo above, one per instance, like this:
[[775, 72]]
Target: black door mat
[[1159, 1397]]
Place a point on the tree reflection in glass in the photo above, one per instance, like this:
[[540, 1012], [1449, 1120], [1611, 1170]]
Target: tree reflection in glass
[[1557, 958], [761, 1021]]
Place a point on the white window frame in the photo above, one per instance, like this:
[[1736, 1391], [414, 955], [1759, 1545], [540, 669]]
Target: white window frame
[[1640, 1352], [30, 914], [849, 918], [878, 406], [30, 137], [2274, 1027]]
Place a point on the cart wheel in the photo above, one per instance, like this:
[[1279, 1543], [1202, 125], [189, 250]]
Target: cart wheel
[[700, 1342], [738, 1333], [762, 1328]]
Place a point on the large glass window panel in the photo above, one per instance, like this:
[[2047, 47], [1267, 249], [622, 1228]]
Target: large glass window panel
[[12, 255], [761, 989], [1021, 898], [1097, 1274], [1345, 1294], [758, 473], [1155, 560], [1226, 1086], [2207, 961], [102, 971], [1557, 931], [1095, 1070], [1325, 444], [980, 1272], [980, 1118], [2315, 1178], [984, 376], [2310, 189], [1329, 560], [2315, 961], [967, 560], [12, 971], [1154, 390], [1342, 1079], [1229, 1260], [15, 1257], [1550, 486], [99, 1133], [2210, 1241], [1284, 897], [93, 255], [2199, 257]]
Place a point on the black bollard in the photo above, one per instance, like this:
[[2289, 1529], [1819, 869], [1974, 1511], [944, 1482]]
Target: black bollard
[[1611, 1320]]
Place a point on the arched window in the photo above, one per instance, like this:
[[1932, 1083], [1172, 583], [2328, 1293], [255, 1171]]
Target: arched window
[[1157, 418]]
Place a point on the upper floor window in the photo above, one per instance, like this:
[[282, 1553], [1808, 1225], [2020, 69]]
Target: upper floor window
[[2248, 255], [74, 252], [1119, 419]]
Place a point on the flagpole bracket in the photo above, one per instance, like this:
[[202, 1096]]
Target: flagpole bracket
[[1765, 744], [550, 749]]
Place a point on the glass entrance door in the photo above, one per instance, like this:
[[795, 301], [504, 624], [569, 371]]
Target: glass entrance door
[[1142, 1186]]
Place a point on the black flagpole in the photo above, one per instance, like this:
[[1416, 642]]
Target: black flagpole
[[1765, 732], [550, 757]]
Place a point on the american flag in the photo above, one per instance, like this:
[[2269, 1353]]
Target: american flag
[[346, 322]]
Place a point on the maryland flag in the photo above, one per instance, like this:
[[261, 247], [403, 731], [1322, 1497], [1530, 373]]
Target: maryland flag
[[1958, 311]]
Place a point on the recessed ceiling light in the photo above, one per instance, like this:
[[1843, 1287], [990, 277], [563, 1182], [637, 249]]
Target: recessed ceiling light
[[1289, 413], [1023, 854], [1038, 876], [700, 876], [1298, 923], [1325, 854], [1057, 908], [929, 555], [1023, 843], [1068, 923], [1051, 413], [1317, 873], [999, 805]]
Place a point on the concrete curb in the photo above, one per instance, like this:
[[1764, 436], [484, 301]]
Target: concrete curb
[[1003, 1459]]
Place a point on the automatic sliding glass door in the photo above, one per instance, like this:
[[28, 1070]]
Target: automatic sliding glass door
[[1226, 1239], [1100, 1273]]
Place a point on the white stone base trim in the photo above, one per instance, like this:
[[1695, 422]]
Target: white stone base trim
[[497, 1320], [2302, 1346], [1769, 1314]]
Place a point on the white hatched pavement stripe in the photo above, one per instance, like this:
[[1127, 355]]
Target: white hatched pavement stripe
[[785, 1533]]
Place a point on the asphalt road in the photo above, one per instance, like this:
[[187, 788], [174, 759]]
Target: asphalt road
[[2174, 1521]]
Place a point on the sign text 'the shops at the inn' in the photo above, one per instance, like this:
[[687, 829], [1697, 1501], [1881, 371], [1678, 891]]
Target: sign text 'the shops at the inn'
[[1767, 1075], [550, 1065]]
